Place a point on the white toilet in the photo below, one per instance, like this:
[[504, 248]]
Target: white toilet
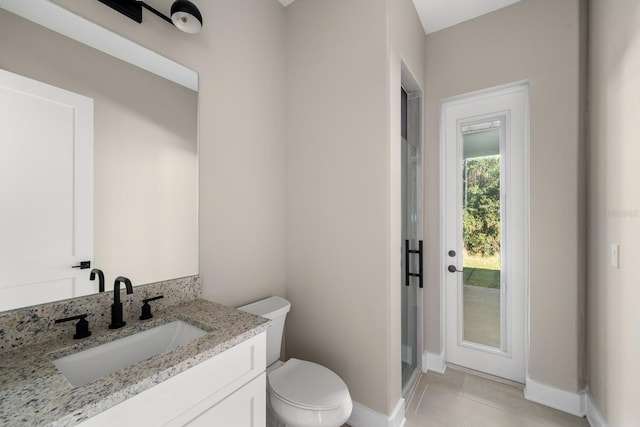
[[299, 393]]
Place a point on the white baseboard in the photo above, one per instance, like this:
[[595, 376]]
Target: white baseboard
[[433, 362], [594, 416], [397, 416], [361, 416], [566, 401]]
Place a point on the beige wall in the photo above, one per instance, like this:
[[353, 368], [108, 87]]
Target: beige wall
[[538, 41], [239, 57], [337, 192], [406, 41], [614, 209], [343, 187], [145, 151]]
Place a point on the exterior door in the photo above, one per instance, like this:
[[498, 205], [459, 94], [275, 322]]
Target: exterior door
[[485, 240], [46, 189]]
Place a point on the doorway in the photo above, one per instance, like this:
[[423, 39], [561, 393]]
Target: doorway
[[485, 243], [411, 240], [46, 183]]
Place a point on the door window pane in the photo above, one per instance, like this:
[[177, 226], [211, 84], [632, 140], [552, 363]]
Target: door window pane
[[481, 228]]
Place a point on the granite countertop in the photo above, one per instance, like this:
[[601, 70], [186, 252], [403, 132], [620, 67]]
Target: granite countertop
[[34, 393]]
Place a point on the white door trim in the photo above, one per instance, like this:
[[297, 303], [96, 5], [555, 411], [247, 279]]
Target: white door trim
[[473, 97]]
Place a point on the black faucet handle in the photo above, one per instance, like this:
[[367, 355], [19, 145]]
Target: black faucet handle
[[82, 327], [146, 308]]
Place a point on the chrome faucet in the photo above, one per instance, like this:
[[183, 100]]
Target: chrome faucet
[[116, 307], [100, 274]]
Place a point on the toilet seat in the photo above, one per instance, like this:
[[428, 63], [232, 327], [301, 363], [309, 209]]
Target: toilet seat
[[304, 393], [308, 385]]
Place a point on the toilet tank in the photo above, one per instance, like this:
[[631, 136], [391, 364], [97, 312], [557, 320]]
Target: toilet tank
[[274, 309]]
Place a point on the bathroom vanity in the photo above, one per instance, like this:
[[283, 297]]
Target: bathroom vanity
[[226, 390], [217, 379]]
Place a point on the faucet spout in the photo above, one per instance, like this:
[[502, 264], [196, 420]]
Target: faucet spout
[[116, 307], [116, 288], [100, 274]]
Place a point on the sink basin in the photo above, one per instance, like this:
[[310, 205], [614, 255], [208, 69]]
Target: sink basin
[[88, 365]]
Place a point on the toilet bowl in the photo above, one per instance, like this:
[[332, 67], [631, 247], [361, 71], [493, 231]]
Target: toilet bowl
[[299, 393]]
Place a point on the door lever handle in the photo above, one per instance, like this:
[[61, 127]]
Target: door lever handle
[[453, 269], [83, 265]]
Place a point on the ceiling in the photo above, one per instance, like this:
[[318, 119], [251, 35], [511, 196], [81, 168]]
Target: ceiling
[[439, 14]]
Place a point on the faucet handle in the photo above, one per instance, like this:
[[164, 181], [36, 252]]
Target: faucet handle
[[146, 308], [82, 327]]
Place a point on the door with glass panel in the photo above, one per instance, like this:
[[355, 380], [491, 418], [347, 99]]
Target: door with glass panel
[[484, 224]]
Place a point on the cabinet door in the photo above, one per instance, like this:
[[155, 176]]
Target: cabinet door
[[245, 407]]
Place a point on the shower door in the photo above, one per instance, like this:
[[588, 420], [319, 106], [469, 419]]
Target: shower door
[[411, 245]]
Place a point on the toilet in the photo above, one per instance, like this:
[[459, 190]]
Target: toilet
[[299, 393]]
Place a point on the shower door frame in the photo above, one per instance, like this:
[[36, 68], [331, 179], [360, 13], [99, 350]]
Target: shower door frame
[[415, 138]]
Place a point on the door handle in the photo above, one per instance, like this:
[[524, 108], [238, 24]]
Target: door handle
[[453, 269], [418, 252], [83, 265]]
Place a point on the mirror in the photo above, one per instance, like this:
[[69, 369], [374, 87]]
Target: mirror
[[145, 152]]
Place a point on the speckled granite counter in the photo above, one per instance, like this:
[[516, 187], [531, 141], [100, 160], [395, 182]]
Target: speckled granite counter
[[34, 393]]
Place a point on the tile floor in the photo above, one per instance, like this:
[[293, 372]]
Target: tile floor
[[459, 399]]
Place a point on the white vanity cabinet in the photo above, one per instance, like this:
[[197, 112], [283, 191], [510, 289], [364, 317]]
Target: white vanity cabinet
[[227, 390]]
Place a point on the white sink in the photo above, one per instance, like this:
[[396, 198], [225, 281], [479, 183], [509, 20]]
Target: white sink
[[88, 365]]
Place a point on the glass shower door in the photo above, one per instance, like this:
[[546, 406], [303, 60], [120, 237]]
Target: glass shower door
[[410, 260]]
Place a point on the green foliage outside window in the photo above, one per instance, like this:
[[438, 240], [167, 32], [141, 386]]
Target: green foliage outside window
[[481, 214]]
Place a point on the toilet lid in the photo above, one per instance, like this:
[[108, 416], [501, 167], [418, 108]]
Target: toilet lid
[[309, 385]]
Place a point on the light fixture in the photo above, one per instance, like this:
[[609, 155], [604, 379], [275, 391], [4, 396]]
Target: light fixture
[[185, 16]]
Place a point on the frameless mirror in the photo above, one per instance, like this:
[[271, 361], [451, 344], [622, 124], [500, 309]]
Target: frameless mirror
[[145, 153]]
